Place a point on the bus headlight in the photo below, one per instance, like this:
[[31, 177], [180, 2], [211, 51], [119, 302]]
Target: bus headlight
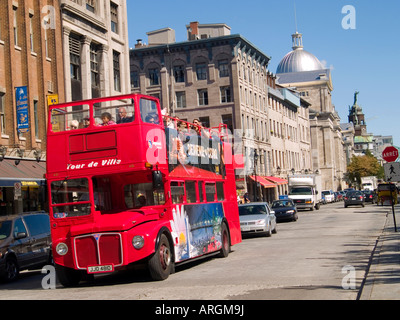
[[138, 242], [62, 249]]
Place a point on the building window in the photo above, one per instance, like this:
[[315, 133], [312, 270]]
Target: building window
[[74, 56], [35, 109], [2, 114], [201, 71], [31, 32], [154, 77], [94, 65], [223, 68], [179, 73], [181, 99], [225, 94], [46, 42], [116, 67], [91, 5], [227, 120], [203, 97], [134, 79], [114, 17], [15, 26], [205, 121]]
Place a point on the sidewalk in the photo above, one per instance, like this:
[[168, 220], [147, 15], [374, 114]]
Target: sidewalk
[[383, 278]]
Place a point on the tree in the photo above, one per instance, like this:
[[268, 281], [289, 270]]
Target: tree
[[363, 166]]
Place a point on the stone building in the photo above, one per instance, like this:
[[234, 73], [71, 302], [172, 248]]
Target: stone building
[[302, 71], [96, 48], [31, 71], [222, 78]]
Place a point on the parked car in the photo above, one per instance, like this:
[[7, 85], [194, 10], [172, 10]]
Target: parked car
[[354, 198], [284, 210], [370, 196], [349, 189], [25, 243], [329, 196], [257, 217]]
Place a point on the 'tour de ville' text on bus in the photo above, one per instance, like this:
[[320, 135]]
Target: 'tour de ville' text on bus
[[127, 185]]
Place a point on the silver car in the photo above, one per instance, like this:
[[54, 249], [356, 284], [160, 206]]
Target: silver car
[[257, 217]]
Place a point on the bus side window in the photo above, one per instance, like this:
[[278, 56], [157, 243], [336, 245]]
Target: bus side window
[[191, 196], [210, 192], [177, 192], [200, 185], [148, 111], [220, 191]]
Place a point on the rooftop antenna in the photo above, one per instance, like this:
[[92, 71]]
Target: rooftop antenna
[[295, 15]]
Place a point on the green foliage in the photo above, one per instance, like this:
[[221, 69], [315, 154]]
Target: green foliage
[[363, 166]]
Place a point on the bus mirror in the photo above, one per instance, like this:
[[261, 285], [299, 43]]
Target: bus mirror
[[157, 179]]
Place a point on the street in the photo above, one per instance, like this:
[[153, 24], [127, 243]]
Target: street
[[324, 255]]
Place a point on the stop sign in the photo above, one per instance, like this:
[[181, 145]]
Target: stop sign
[[390, 154]]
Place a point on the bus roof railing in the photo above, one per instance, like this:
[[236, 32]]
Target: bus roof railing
[[188, 127]]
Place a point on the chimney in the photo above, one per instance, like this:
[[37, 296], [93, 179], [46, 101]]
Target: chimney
[[139, 43], [194, 30]]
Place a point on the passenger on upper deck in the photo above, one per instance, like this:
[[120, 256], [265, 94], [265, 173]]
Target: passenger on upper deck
[[123, 116], [74, 124], [152, 119], [106, 118]]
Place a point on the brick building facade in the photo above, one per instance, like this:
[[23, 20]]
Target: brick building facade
[[31, 65]]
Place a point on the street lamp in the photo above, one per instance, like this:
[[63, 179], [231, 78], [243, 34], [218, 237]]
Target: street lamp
[[255, 175], [3, 152]]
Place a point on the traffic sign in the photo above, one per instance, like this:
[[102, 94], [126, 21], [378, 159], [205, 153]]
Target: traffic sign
[[390, 154], [392, 171]]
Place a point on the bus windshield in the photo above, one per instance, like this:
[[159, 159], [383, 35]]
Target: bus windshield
[[70, 198]]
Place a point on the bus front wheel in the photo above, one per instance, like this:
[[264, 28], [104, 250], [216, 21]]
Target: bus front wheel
[[68, 277], [160, 264]]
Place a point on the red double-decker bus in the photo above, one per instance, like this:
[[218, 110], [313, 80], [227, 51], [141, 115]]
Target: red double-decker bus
[[127, 185]]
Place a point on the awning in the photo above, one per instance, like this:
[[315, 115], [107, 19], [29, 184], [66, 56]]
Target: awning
[[27, 172], [276, 180], [265, 183]]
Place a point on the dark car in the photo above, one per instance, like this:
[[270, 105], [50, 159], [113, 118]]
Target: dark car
[[370, 196], [25, 243], [354, 198], [284, 210]]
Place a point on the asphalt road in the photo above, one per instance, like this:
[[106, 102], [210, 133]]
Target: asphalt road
[[324, 255]]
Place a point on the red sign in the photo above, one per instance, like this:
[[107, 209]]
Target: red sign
[[390, 154]]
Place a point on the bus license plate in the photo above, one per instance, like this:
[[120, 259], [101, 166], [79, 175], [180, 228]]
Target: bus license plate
[[100, 269]]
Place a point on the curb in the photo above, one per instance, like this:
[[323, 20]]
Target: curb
[[369, 277]]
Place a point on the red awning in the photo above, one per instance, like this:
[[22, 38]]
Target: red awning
[[276, 180], [265, 183]]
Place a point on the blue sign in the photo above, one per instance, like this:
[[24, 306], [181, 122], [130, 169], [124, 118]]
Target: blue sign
[[21, 97]]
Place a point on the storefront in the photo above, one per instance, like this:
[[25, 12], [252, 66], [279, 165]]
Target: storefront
[[22, 186]]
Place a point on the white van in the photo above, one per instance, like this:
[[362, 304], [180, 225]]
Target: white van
[[329, 196]]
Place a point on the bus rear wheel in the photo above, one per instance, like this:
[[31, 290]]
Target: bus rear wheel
[[226, 245], [160, 264]]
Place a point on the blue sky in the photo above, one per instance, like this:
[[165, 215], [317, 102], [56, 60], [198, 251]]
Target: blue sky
[[365, 59]]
